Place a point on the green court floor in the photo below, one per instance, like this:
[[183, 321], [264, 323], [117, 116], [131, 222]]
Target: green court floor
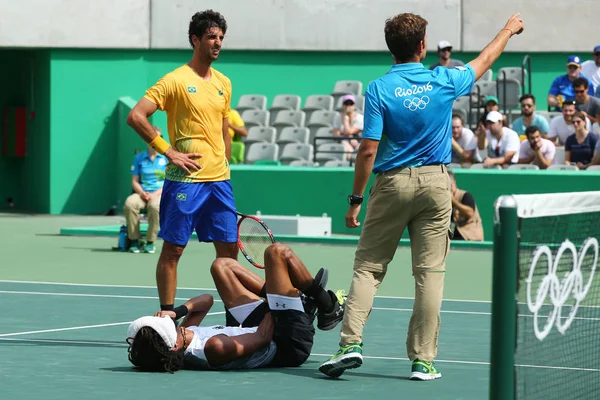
[[67, 302]]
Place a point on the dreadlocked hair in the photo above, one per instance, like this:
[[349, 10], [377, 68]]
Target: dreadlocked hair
[[149, 352]]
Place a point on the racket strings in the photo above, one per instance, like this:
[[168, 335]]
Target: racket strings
[[254, 240]]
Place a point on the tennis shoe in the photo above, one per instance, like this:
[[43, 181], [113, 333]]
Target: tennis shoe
[[310, 305], [424, 371], [149, 248], [347, 357], [328, 321], [134, 247]]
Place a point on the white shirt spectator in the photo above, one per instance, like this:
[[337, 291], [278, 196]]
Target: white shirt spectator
[[548, 150], [509, 141], [468, 142], [592, 72], [558, 127], [357, 122]]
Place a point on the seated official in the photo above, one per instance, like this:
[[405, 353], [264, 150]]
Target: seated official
[[465, 221], [147, 179]]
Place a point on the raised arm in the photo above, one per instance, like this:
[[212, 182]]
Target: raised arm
[[492, 51]]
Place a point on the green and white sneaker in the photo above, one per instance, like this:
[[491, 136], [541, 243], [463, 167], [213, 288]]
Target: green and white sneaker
[[348, 357], [424, 371], [134, 247], [149, 248]]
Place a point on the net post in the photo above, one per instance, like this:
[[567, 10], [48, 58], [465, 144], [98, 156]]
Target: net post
[[504, 302]]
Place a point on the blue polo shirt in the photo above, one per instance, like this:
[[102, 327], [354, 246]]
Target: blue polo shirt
[[409, 111], [562, 85], [152, 174]]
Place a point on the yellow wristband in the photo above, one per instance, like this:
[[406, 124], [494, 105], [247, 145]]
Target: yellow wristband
[[159, 144]]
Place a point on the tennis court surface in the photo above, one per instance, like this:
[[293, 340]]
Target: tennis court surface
[[67, 302]]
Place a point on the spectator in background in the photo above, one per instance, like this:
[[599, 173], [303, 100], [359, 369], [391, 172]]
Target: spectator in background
[[349, 124], [502, 143], [147, 179], [444, 52], [562, 86], [464, 143], [536, 150], [591, 69], [465, 222], [580, 146], [585, 103], [237, 130], [491, 103], [529, 117], [561, 127]]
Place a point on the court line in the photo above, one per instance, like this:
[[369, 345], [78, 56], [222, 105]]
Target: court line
[[117, 296], [75, 328], [64, 341]]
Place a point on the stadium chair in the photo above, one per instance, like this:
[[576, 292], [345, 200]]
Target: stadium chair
[[301, 163], [346, 87], [322, 134], [336, 163], [477, 166], [289, 118], [296, 151], [284, 102], [454, 166], [512, 87], [461, 107], [593, 168], [515, 73], [291, 134], [255, 118], [487, 76], [317, 102], [563, 167], [483, 89], [559, 155], [554, 114], [320, 119], [251, 102], [523, 166], [330, 151], [483, 154], [360, 103], [262, 151], [260, 134]]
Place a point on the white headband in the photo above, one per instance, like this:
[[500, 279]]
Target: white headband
[[163, 325]]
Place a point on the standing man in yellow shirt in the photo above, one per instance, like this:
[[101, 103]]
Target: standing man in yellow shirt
[[197, 193]]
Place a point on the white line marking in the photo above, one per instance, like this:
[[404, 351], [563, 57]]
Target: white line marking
[[92, 295], [75, 328], [64, 341], [479, 313]]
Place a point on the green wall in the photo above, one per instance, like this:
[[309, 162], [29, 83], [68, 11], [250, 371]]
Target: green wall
[[314, 191]]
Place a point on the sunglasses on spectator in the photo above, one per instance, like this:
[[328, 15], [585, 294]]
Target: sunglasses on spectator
[[446, 49], [580, 91], [573, 67], [526, 105], [348, 103], [577, 121]]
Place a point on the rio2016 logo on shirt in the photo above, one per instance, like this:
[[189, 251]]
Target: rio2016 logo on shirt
[[191, 89], [416, 103], [414, 89]]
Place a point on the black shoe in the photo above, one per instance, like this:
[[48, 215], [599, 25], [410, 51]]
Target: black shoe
[[328, 321], [310, 305]]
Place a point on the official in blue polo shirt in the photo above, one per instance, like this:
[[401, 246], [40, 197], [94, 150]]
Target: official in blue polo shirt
[[147, 179], [407, 142], [562, 86]]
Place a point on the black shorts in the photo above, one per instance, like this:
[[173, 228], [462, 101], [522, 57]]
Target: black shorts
[[252, 320], [294, 336]]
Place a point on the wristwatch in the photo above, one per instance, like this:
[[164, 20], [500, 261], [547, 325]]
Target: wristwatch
[[354, 199]]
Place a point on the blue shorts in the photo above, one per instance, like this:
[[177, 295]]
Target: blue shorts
[[207, 207]]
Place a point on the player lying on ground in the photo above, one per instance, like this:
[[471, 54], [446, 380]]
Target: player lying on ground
[[278, 332]]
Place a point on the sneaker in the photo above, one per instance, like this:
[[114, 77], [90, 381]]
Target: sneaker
[[310, 305], [134, 247], [347, 357], [149, 248], [424, 371], [328, 321]]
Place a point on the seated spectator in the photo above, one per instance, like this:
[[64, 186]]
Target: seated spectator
[[502, 143], [465, 221], [529, 117], [464, 143], [491, 103], [349, 124], [561, 127], [590, 106], [444, 52], [147, 179], [562, 87], [580, 146], [237, 130], [536, 150], [591, 69]]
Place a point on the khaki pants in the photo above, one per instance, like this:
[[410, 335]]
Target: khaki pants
[[420, 199], [133, 205]]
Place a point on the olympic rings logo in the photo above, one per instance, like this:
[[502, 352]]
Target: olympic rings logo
[[416, 103], [560, 290]]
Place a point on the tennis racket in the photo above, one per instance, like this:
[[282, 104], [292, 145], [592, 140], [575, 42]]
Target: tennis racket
[[254, 236]]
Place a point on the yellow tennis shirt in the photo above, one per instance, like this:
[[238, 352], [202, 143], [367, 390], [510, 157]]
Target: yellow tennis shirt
[[195, 111]]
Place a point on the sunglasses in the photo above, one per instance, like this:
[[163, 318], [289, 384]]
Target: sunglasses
[[573, 67], [577, 121], [446, 49], [348, 103], [597, 54], [526, 105], [580, 91]]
